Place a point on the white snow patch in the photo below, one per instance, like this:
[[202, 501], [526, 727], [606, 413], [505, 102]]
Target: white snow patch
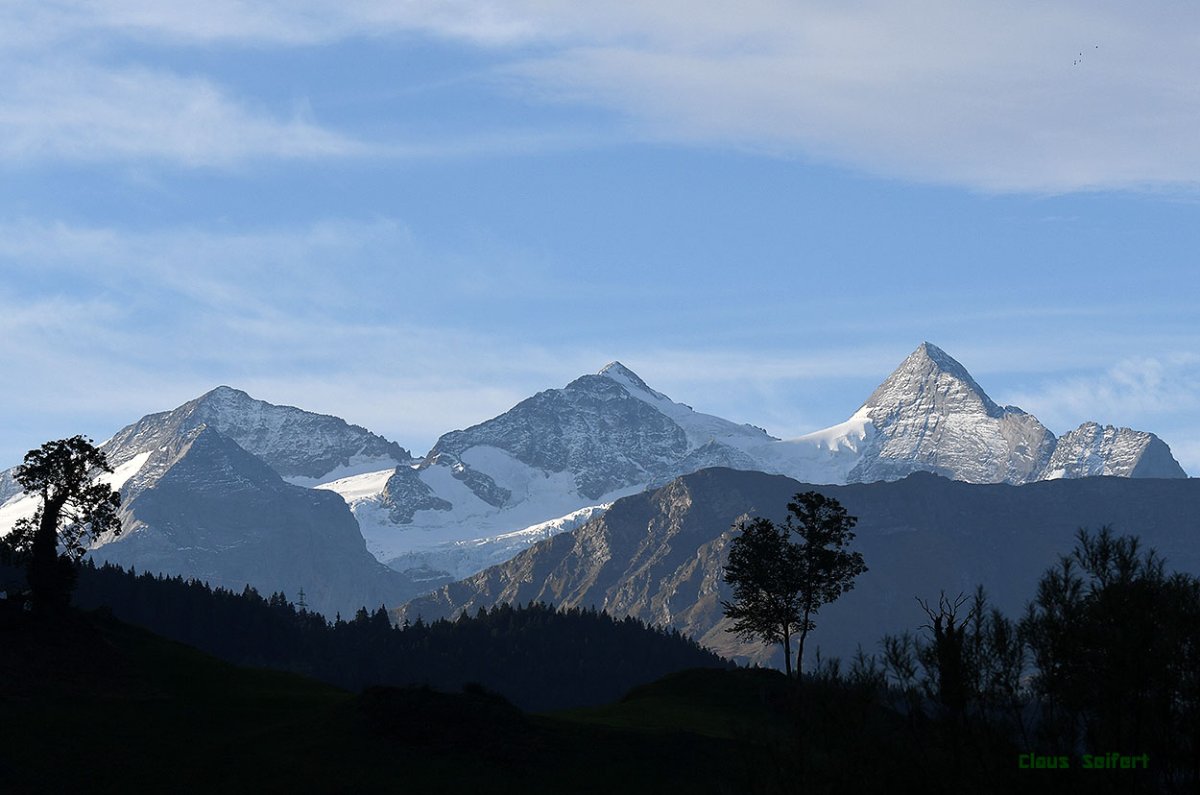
[[359, 487], [358, 465], [699, 428], [505, 470], [461, 559], [849, 435], [118, 477], [537, 498], [24, 506]]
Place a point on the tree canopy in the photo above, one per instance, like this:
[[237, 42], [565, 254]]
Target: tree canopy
[[74, 508], [779, 583]]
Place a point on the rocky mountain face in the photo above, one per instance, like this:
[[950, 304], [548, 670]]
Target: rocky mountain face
[[607, 435], [204, 495], [295, 443], [658, 555], [1093, 449], [931, 416], [201, 506], [9, 487], [593, 428]]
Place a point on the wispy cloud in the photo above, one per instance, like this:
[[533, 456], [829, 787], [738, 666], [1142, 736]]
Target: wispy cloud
[[111, 102], [81, 111], [295, 23], [1134, 387], [102, 325], [343, 317], [1021, 96]]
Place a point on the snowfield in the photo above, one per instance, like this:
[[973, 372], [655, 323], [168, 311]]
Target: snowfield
[[24, 506], [541, 505]]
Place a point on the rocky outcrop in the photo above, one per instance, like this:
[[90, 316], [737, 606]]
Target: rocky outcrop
[[1093, 449]]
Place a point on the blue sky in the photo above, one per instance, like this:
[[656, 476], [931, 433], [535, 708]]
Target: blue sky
[[413, 215]]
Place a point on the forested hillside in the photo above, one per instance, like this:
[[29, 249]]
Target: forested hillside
[[538, 657]]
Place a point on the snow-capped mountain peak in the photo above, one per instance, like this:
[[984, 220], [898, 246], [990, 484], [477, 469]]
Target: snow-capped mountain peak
[[627, 378], [301, 446], [931, 415], [1093, 449], [928, 377], [700, 429]]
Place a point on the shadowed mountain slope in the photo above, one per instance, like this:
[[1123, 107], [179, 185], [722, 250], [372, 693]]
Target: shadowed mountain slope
[[659, 555]]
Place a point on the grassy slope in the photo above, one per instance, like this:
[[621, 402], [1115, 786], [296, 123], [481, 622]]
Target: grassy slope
[[729, 705]]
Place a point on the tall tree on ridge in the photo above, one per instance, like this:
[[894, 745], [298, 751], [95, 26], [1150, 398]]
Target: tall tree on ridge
[[73, 509]]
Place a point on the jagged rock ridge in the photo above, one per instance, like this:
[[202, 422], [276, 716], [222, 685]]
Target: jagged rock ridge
[[1093, 449], [294, 442], [592, 428]]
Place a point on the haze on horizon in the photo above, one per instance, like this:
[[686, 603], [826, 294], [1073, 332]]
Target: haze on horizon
[[413, 216]]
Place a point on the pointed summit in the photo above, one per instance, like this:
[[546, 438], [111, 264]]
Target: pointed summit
[[929, 377], [930, 415], [225, 394], [624, 376], [941, 359]]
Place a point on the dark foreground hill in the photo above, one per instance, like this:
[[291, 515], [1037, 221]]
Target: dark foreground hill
[[94, 705]]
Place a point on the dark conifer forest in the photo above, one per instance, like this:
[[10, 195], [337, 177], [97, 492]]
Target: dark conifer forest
[[538, 657]]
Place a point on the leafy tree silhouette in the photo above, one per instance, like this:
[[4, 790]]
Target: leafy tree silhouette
[[1113, 637], [73, 509], [780, 584]]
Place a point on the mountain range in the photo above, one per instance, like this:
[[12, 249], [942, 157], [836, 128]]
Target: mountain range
[[610, 435], [232, 489]]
